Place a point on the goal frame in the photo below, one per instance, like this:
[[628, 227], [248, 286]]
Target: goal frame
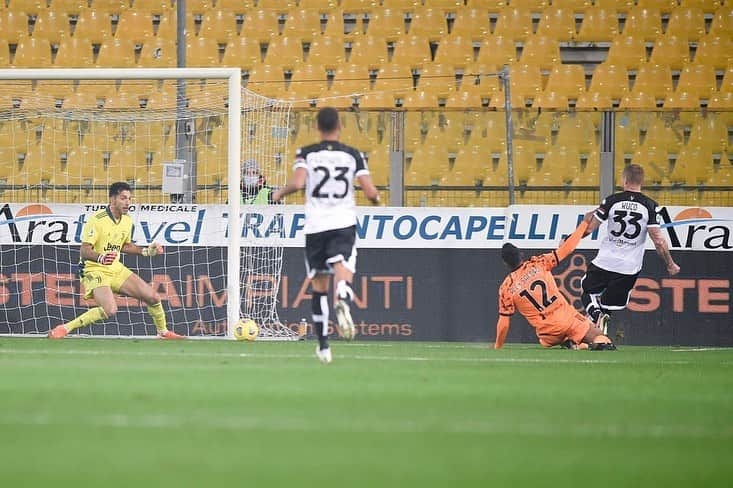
[[234, 114]]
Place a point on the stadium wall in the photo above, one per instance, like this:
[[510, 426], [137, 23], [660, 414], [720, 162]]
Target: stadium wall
[[423, 273]]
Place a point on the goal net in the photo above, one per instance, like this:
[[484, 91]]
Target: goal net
[[179, 137]]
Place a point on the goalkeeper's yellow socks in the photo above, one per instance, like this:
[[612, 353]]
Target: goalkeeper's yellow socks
[[87, 318], [156, 311]]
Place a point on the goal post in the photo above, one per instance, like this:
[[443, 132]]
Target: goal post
[[54, 149]]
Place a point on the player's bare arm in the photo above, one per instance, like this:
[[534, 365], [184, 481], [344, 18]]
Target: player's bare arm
[[88, 253], [593, 222], [660, 244], [569, 245], [502, 328], [297, 183], [367, 186]]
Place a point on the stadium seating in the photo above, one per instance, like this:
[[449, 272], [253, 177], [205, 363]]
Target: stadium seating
[[715, 51], [688, 23], [387, 23], [369, 51], [430, 23], [672, 51], [599, 24], [654, 79], [14, 26], [643, 23], [93, 25], [455, 51], [51, 25], [610, 79], [567, 80], [628, 51], [558, 24], [514, 24], [471, 23], [540, 51]]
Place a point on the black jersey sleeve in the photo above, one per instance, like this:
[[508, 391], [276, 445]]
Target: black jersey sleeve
[[653, 208], [602, 210]]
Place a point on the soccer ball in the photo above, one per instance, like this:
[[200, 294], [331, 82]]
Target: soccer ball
[[246, 330]]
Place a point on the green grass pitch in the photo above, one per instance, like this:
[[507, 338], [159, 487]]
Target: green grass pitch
[[149, 413]]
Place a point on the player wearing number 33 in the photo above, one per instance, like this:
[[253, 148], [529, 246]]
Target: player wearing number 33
[[531, 289], [107, 234], [327, 170]]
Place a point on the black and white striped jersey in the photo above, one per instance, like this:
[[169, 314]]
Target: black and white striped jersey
[[628, 214], [329, 190]]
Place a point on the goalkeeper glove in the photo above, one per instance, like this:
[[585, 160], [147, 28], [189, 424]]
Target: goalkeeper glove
[[152, 250], [107, 258]]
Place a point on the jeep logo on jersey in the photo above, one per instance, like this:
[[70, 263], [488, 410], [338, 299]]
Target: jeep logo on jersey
[[694, 227], [35, 219]]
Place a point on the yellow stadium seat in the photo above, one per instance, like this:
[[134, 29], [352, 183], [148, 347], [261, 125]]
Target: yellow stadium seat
[[499, 101], [710, 131], [455, 51], [282, 5], [359, 6], [654, 159], [13, 26], [51, 25], [401, 4], [514, 23], [643, 23], [94, 26], [557, 23], [32, 53], [158, 53], [317, 4], [159, 6], [727, 85], [722, 24], [497, 51], [4, 53], [567, 79], [532, 5], [327, 51], [560, 166], [303, 23], [466, 99], [167, 27], [682, 100], [488, 82], [707, 6], [81, 99], [377, 100], [655, 79], [664, 6], [594, 100], [261, 24], [74, 52], [490, 5], [541, 51], [219, 24], [429, 23], [662, 133], [639, 100], [698, 79], [715, 51], [437, 75], [672, 51], [444, 4], [369, 51], [471, 23], [122, 100], [31, 7], [573, 5], [599, 24], [308, 81], [722, 100], [687, 23], [412, 51], [396, 78], [335, 25], [525, 80], [69, 7], [421, 99], [627, 51], [611, 80], [579, 129], [387, 23], [267, 80], [202, 52], [551, 100], [693, 166], [285, 52], [242, 52], [135, 26]]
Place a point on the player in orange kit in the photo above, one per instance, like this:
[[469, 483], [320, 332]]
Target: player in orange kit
[[531, 289]]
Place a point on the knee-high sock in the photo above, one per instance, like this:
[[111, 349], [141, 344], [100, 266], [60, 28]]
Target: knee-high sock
[[156, 311], [344, 291], [591, 304], [319, 307], [87, 318]]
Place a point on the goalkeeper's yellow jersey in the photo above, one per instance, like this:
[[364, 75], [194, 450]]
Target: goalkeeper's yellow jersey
[[105, 234]]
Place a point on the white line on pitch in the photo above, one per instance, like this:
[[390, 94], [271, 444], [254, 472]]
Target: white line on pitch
[[703, 349]]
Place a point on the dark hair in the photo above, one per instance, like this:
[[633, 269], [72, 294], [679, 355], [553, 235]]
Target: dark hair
[[511, 255], [634, 174], [117, 188], [328, 119]]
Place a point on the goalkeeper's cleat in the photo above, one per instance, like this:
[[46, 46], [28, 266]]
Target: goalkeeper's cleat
[[602, 322], [603, 346], [343, 320], [169, 334], [324, 355], [58, 332]]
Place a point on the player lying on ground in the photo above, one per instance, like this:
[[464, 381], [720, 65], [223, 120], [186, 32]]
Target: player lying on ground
[[327, 171], [611, 276], [531, 289], [104, 236]]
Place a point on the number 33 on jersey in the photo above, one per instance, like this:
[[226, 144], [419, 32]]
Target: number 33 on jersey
[[332, 168]]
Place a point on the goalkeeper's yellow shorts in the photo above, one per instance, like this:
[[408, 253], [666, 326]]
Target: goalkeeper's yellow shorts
[[98, 275]]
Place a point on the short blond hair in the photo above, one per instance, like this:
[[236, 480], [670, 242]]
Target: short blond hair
[[634, 174]]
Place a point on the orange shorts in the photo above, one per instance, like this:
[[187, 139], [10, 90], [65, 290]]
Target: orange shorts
[[561, 326]]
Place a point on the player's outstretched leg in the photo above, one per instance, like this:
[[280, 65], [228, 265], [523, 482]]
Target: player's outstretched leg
[[345, 296], [319, 308], [597, 341], [87, 318]]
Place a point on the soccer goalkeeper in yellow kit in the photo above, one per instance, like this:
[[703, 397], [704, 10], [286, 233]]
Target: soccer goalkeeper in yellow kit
[[104, 237]]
